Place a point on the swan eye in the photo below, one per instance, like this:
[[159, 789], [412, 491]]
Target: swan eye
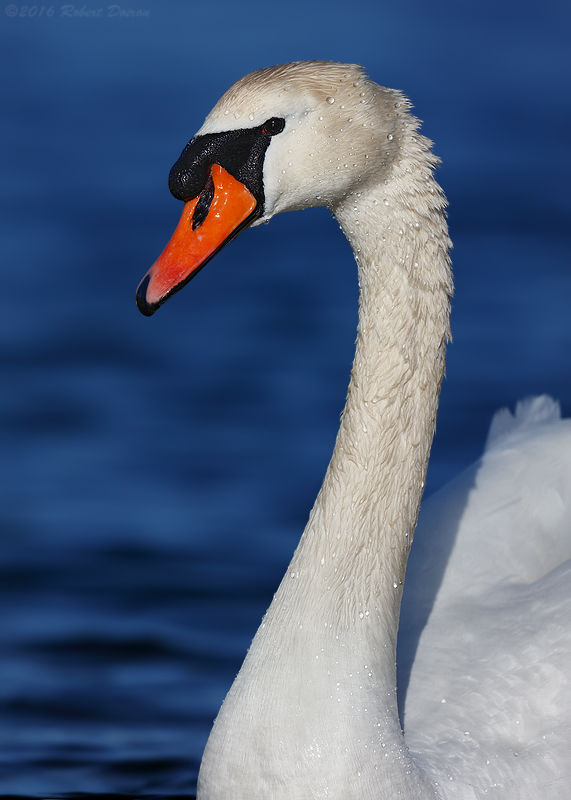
[[273, 126]]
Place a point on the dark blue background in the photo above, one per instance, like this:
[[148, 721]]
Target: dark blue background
[[157, 473]]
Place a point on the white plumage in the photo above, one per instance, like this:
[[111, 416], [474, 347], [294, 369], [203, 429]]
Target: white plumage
[[313, 712], [488, 707]]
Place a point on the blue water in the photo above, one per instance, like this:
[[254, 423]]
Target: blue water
[[157, 473]]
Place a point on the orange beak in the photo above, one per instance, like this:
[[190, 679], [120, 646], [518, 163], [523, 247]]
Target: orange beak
[[197, 238]]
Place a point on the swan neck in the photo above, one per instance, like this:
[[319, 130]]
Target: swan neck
[[363, 521]]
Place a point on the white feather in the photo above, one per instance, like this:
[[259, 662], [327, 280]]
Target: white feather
[[486, 617]]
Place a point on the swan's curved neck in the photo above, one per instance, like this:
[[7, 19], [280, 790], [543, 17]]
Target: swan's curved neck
[[313, 712], [372, 490]]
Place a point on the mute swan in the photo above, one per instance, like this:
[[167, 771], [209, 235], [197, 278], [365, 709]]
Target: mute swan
[[313, 711]]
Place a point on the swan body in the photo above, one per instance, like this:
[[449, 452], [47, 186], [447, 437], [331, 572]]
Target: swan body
[[313, 712], [488, 705]]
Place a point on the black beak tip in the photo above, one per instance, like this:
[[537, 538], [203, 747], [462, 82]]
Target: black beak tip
[[148, 309]]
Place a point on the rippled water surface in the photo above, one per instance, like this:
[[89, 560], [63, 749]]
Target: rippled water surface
[[157, 473]]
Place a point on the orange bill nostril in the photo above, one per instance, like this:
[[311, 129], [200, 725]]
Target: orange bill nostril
[[204, 203]]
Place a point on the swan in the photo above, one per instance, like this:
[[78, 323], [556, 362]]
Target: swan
[[486, 635]]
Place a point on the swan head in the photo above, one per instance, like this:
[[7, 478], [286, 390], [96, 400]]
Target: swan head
[[281, 139]]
